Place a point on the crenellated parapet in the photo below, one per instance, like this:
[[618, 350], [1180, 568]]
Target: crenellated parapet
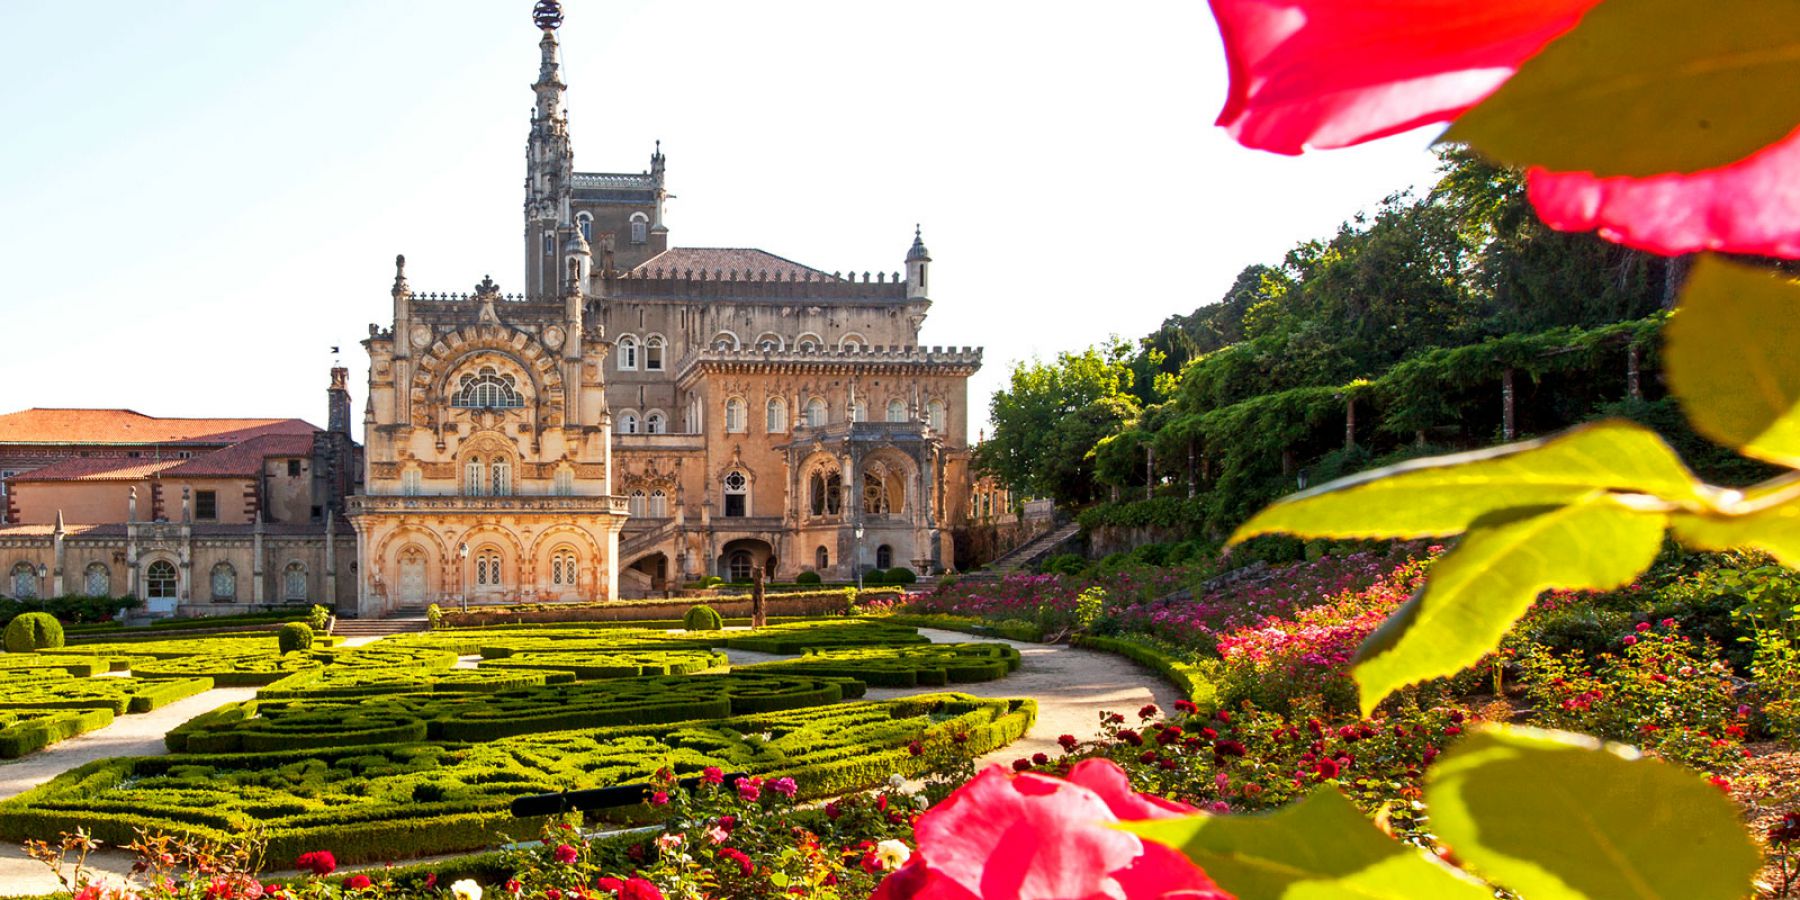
[[854, 359], [737, 285]]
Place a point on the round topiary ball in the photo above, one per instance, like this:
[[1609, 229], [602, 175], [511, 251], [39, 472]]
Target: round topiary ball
[[875, 576], [33, 631], [295, 636], [807, 578], [902, 575], [703, 618]]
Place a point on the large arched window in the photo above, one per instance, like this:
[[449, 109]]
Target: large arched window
[[224, 583], [656, 423], [875, 495], [562, 568], [659, 504], [740, 565], [159, 580], [826, 490], [653, 353], [775, 416], [934, 415], [24, 581], [293, 582], [640, 228], [96, 580], [896, 410], [634, 504], [474, 477], [725, 340], [816, 416], [488, 389], [502, 476], [884, 557], [628, 353], [859, 411], [737, 494], [737, 416]]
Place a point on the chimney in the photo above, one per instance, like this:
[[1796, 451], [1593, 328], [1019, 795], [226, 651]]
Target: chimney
[[338, 402]]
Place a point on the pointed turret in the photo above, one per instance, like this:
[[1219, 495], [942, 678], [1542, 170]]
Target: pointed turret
[[918, 264]]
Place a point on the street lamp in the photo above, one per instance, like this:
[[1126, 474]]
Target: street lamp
[[43, 585], [462, 575], [857, 559]]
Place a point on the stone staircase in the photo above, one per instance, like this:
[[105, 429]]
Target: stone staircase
[[402, 621], [1028, 553], [632, 545]]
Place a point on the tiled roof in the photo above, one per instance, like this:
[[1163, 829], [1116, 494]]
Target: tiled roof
[[89, 469], [125, 426], [245, 459], [71, 530], [727, 259]]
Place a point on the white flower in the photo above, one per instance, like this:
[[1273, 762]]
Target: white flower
[[466, 889], [920, 801], [668, 841], [892, 854], [896, 781]]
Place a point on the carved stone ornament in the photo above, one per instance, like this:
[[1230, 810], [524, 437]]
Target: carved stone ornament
[[421, 336], [553, 337]]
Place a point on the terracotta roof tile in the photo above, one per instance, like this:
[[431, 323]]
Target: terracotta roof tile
[[125, 426], [107, 469], [744, 261], [244, 459]]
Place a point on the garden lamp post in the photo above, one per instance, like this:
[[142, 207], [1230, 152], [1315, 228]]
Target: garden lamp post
[[43, 584], [856, 560], [462, 575]]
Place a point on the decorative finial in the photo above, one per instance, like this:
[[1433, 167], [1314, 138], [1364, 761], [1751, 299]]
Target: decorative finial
[[547, 14], [399, 273]]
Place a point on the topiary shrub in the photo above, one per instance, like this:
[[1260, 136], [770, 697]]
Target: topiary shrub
[[318, 617], [33, 631], [875, 576], [807, 578], [295, 636], [902, 575], [703, 618]]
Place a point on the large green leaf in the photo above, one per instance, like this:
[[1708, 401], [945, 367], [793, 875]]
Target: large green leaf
[[1731, 359], [1643, 87], [1774, 531], [1556, 815], [1479, 589], [1317, 848], [1443, 495]]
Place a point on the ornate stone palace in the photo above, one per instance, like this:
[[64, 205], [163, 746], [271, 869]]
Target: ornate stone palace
[[643, 414]]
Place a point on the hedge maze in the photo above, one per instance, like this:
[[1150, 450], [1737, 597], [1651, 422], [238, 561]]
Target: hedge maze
[[911, 666]]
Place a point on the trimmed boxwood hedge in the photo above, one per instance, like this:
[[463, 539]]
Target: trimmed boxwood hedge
[[368, 802], [608, 664], [32, 631], [799, 637], [25, 730], [1196, 683], [927, 664], [120, 695], [14, 665], [355, 681]]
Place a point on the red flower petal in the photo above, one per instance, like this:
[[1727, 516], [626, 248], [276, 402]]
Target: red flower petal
[[1332, 73], [1751, 206]]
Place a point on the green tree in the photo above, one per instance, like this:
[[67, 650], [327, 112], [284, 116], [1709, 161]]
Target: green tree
[[1050, 417]]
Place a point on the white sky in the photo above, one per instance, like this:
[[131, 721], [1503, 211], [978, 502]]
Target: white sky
[[198, 199]]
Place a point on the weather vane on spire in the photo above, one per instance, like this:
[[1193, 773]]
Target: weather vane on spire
[[547, 14]]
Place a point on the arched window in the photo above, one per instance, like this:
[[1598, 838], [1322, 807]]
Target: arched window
[[293, 582], [653, 353], [808, 343], [25, 581], [659, 504], [851, 343], [769, 342], [737, 415], [694, 417], [502, 476], [737, 494], [96, 581], [410, 481], [628, 422], [562, 568], [725, 340], [656, 423], [488, 389], [159, 580], [859, 411], [474, 477], [634, 504], [816, 416], [564, 481], [827, 490], [586, 223], [640, 228], [775, 416], [884, 557], [739, 565], [628, 353], [822, 559], [896, 410], [875, 495], [224, 583], [934, 415], [487, 569]]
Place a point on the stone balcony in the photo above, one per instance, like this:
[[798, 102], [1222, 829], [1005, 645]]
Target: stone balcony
[[516, 504]]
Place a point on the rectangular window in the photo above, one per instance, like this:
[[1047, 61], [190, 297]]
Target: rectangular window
[[293, 468], [206, 505], [734, 505]]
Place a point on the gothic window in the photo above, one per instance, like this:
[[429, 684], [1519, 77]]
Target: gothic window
[[640, 228], [224, 583], [653, 353], [586, 223], [826, 491], [775, 416], [410, 481], [628, 422], [859, 411], [659, 504], [474, 477], [562, 568], [822, 559], [502, 477], [656, 423], [488, 389], [293, 582], [628, 354], [724, 340], [875, 495], [97, 580], [739, 565], [159, 580], [884, 557], [24, 581], [896, 411], [634, 504], [816, 416], [934, 415], [565, 481], [737, 494], [487, 568], [693, 416], [736, 416]]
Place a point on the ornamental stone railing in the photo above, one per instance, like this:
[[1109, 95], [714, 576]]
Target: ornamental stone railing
[[514, 504]]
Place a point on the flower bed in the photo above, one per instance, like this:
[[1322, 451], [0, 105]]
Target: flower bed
[[927, 664]]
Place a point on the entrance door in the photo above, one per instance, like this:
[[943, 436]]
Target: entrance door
[[412, 578]]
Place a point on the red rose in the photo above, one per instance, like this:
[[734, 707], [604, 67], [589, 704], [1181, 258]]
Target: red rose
[[318, 862], [566, 854], [638, 889], [356, 882]]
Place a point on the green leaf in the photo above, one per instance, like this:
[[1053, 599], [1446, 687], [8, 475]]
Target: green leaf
[[1644, 87], [1443, 495], [1774, 531], [1550, 815], [1319, 847], [1480, 588], [1730, 358]]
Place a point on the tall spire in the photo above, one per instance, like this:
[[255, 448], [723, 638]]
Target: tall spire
[[549, 87], [550, 165]]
